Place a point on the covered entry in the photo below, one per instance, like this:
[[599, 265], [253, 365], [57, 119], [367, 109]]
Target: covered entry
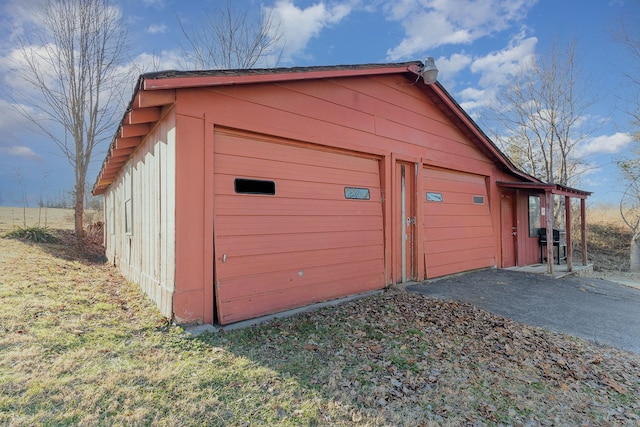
[[534, 206], [293, 225]]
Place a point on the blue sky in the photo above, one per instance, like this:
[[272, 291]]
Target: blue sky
[[476, 43]]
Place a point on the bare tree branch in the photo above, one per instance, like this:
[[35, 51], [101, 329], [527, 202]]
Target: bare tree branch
[[538, 117], [232, 38], [628, 36], [71, 53]]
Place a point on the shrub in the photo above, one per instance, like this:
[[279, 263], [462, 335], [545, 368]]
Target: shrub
[[34, 233]]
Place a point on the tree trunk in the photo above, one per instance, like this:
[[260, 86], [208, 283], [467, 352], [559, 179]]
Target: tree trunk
[[79, 209], [634, 253]]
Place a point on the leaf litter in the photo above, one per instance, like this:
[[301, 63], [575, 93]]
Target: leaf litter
[[86, 349], [406, 357]]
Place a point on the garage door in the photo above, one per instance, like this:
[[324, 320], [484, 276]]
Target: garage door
[[458, 233], [293, 226]]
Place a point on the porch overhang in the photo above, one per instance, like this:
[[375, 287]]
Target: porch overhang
[[557, 189], [550, 190]]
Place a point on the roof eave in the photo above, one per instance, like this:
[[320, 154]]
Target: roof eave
[[163, 83], [168, 80], [238, 77], [559, 189]]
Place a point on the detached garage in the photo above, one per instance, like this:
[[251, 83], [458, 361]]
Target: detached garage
[[231, 194]]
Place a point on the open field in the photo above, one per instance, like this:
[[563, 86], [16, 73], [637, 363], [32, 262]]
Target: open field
[[604, 214], [62, 219], [79, 345]]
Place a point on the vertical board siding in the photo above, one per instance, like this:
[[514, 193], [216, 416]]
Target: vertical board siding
[[146, 255], [306, 243], [458, 234]]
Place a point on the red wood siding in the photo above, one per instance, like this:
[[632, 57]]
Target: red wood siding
[[306, 243], [382, 116], [528, 247], [375, 115], [238, 256], [458, 234], [508, 229]]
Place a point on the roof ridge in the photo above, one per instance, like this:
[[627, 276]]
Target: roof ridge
[[276, 70]]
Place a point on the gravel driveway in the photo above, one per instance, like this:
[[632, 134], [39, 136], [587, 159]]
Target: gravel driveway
[[594, 309]]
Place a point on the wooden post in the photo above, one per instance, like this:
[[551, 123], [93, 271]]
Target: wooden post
[[549, 226], [567, 209], [583, 230]]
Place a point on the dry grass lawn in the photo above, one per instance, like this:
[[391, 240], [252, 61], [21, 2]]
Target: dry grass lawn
[[59, 219], [79, 345]]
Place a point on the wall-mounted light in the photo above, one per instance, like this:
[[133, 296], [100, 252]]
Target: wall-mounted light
[[429, 71]]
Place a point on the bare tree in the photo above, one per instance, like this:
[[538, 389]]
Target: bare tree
[[17, 174], [71, 56], [230, 37], [630, 207], [538, 117], [629, 37]]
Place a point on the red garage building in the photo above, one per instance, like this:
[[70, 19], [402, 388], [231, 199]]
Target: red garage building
[[231, 194]]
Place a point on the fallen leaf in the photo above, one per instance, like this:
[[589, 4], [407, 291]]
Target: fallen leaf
[[619, 388], [376, 348], [596, 360]]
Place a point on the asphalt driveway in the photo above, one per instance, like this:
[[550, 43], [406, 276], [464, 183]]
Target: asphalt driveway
[[594, 309]]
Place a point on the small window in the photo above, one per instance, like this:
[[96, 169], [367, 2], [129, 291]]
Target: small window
[[128, 217], [356, 193], [478, 200], [128, 203], [434, 197], [254, 186], [112, 220], [535, 212]]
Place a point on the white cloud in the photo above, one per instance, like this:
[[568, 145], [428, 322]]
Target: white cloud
[[432, 23], [454, 63], [473, 98], [494, 69], [496, 66], [449, 67], [12, 123], [606, 144], [298, 26], [16, 14], [165, 60], [20, 151], [157, 29], [14, 64]]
